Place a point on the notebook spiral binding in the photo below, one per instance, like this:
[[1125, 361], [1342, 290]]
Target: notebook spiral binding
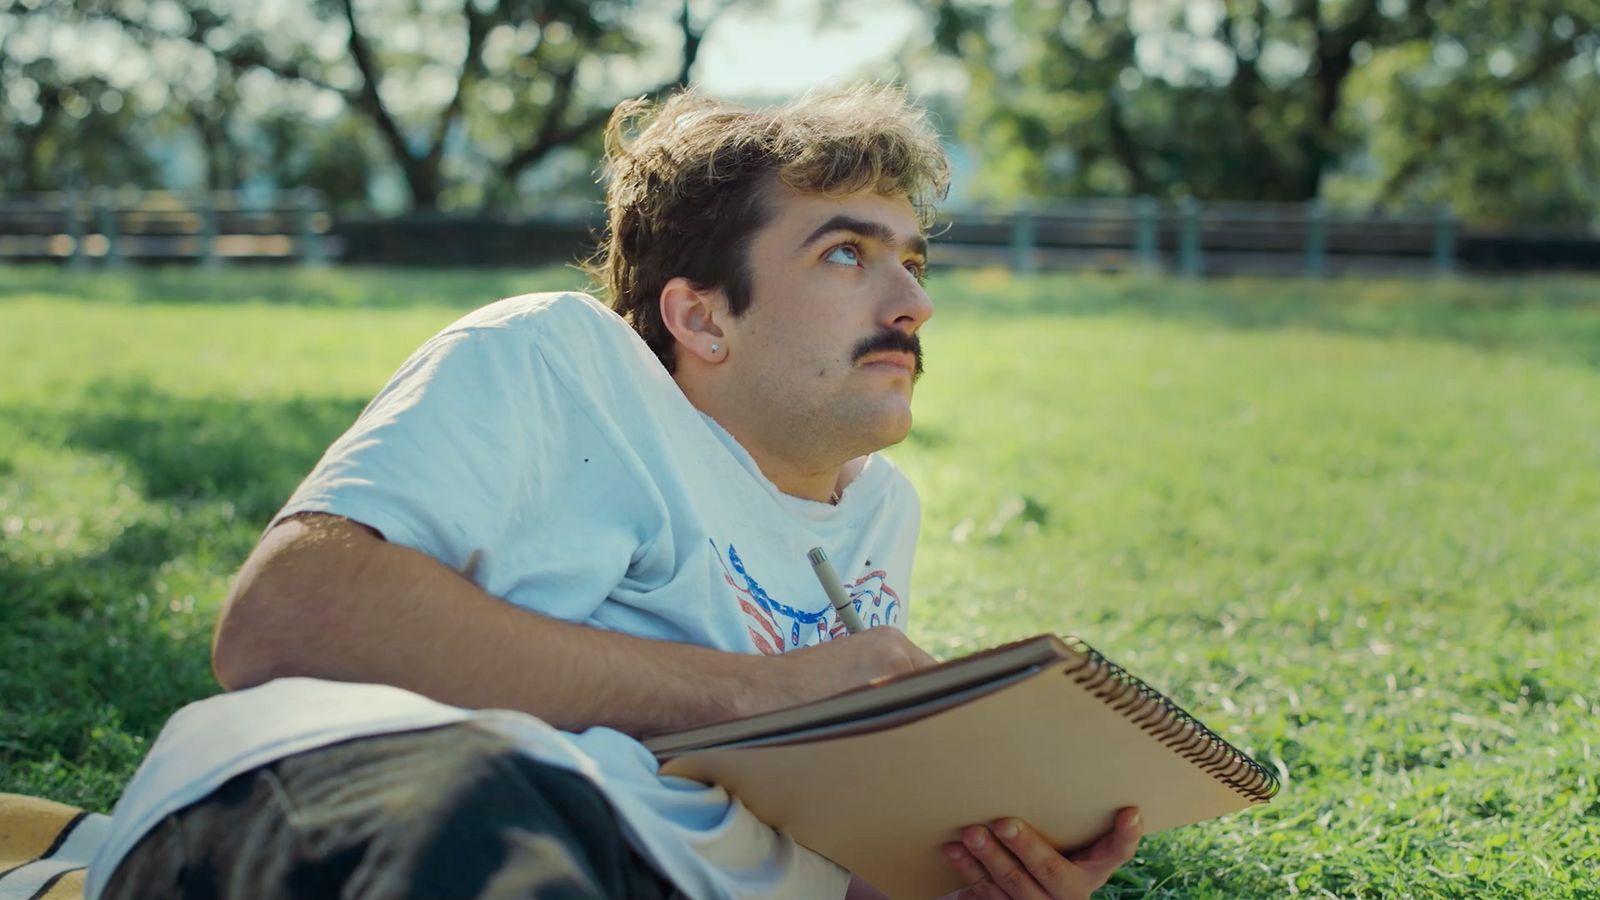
[[1169, 723]]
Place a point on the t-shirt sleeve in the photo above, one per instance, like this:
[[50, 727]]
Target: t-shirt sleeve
[[445, 454]]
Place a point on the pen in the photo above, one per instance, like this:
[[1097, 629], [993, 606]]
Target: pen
[[835, 590]]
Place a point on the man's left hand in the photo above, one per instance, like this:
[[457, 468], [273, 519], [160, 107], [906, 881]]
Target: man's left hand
[[1008, 859]]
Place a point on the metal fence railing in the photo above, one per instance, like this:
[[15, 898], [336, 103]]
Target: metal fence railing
[[103, 228], [1192, 238], [110, 228]]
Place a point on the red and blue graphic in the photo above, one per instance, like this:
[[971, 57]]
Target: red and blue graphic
[[775, 626]]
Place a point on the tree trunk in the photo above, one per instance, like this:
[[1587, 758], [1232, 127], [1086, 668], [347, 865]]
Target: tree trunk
[[34, 176]]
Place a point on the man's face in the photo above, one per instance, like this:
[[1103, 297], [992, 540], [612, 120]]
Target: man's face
[[825, 357]]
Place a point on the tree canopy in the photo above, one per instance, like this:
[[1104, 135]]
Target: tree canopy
[[1489, 106], [460, 97], [1486, 104]]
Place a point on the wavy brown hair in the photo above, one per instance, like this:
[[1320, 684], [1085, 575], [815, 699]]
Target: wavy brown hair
[[687, 180]]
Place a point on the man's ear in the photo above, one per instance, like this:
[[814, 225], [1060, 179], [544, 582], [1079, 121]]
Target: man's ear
[[691, 315]]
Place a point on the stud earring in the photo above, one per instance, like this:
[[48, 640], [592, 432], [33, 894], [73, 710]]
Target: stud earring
[[715, 348]]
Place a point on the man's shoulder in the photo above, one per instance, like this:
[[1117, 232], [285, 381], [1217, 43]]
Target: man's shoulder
[[571, 331], [554, 310]]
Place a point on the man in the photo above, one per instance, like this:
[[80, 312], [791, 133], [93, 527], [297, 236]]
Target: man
[[604, 529]]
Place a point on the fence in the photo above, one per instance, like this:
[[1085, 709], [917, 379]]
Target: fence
[[1187, 238], [111, 228], [1192, 239]]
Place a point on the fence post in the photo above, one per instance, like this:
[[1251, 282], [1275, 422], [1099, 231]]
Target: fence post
[[308, 242], [1190, 261], [207, 207], [1316, 239], [1023, 261], [105, 209], [1144, 238], [71, 214], [1444, 242]]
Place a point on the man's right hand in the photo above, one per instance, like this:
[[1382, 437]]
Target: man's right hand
[[839, 665]]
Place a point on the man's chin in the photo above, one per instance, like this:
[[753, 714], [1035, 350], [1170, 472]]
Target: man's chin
[[892, 428]]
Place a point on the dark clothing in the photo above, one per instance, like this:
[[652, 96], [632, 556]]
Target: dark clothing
[[445, 812]]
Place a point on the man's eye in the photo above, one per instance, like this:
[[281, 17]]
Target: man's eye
[[916, 269], [844, 255]]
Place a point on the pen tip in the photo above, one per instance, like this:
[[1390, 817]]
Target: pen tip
[[816, 555]]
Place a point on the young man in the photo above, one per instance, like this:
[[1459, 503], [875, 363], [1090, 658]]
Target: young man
[[603, 530]]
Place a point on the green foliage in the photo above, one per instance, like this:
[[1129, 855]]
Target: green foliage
[[334, 159], [1487, 106], [59, 129], [1507, 139], [1350, 524], [453, 102]]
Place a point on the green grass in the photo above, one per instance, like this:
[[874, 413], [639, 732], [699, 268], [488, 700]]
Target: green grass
[[1353, 525]]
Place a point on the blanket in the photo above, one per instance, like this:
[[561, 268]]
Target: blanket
[[44, 847]]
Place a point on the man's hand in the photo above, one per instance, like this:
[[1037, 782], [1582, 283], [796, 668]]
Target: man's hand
[[835, 666], [1007, 858]]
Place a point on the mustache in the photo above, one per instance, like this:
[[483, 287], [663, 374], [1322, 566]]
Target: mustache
[[891, 341]]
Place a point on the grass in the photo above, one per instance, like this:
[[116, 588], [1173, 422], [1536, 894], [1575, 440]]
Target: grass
[[1353, 525]]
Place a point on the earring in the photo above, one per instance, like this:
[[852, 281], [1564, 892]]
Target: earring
[[715, 348]]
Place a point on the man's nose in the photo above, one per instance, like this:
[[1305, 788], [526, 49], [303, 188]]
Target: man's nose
[[910, 305]]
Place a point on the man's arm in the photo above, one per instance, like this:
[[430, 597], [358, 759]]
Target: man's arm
[[326, 597]]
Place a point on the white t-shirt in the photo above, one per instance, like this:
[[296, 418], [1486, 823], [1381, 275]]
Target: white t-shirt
[[541, 433]]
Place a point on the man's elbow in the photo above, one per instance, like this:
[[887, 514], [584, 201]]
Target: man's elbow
[[276, 620], [246, 649]]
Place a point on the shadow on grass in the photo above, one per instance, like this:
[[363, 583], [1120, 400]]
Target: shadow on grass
[[92, 666], [248, 453], [331, 287], [97, 651]]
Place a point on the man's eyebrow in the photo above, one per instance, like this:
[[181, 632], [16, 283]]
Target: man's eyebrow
[[866, 228]]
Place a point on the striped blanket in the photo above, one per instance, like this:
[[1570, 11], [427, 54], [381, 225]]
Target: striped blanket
[[44, 846]]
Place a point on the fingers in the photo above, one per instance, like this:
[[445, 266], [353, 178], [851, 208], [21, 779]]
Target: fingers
[[1098, 860], [979, 886], [894, 652], [1002, 875], [1041, 860], [830, 667], [920, 658], [1010, 859]]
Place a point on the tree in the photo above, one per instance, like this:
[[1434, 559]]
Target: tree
[[1505, 136], [61, 127], [1253, 99], [464, 96]]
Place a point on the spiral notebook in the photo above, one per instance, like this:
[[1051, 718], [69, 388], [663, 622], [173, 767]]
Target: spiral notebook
[[1045, 729]]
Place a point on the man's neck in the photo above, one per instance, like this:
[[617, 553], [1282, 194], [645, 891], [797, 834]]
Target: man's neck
[[793, 465], [823, 483]]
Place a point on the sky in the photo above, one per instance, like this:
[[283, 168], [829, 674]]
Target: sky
[[783, 51]]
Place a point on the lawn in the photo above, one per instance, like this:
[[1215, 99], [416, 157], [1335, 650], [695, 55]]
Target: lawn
[[1355, 526]]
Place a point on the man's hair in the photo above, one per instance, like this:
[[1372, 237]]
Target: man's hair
[[687, 180]]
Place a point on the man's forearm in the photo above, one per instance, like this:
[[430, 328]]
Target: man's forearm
[[324, 597], [328, 598]]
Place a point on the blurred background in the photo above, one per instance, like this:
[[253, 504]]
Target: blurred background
[[1373, 136]]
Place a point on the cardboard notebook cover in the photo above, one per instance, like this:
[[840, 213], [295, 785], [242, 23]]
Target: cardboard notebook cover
[[1046, 730]]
